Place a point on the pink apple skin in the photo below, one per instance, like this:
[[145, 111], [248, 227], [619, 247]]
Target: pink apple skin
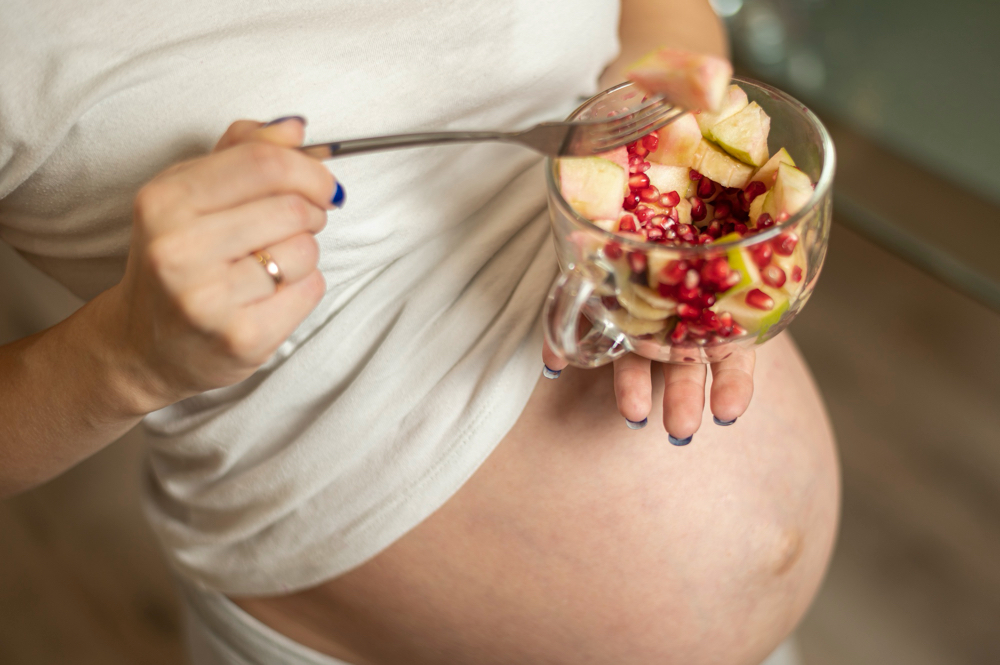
[[694, 81], [618, 156], [678, 142]]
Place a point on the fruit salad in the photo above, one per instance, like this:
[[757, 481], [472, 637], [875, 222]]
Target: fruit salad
[[706, 179]]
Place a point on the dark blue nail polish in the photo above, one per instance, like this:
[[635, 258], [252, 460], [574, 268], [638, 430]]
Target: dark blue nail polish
[[284, 118], [550, 373], [723, 423], [338, 196], [636, 425], [679, 442]]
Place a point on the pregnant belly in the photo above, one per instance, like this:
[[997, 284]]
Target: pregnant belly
[[581, 541]]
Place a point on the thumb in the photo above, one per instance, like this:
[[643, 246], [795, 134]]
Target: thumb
[[288, 131]]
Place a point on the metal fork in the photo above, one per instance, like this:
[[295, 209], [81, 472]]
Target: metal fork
[[579, 138]]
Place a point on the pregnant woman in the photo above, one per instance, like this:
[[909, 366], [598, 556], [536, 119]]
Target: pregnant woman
[[353, 457]]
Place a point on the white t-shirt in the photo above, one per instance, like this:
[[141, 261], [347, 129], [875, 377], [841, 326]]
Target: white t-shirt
[[427, 345]]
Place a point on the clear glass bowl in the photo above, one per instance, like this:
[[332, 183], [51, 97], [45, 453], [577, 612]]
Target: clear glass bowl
[[604, 303]]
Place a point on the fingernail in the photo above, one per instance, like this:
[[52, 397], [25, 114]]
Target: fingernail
[[550, 373], [679, 442], [636, 425], [338, 196], [723, 423], [283, 118]]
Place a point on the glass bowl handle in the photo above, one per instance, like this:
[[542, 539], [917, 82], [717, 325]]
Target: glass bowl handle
[[564, 308]]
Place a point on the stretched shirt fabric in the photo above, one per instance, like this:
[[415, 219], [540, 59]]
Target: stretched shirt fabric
[[427, 344]]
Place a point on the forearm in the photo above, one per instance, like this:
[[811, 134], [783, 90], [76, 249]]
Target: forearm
[[648, 24], [65, 393]]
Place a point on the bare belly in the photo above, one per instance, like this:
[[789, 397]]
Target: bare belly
[[581, 541]]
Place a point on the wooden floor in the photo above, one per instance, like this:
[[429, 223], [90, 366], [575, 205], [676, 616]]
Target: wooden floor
[[911, 375]]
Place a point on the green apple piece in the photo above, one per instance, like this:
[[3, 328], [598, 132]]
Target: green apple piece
[[767, 173], [609, 225], [744, 135], [670, 178], [678, 142], [734, 101], [757, 207], [684, 212], [740, 259], [595, 187], [654, 298], [631, 325], [638, 307], [656, 261], [713, 162], [751, 318], [792, 191], [788, 263], [693, 81]]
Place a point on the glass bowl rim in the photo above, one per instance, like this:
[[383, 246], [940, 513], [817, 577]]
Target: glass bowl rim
[[823, 183]]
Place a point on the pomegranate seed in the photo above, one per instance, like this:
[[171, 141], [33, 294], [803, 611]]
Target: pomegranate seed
[[644, 213], [722, 209], [706, 188], [705, 239], [796, 274], [687, 312], [764, 221], [610, 302], [785, 243], [761, 254], [670, 199], [673, 216], [631, 201], [728, 228], [782, 216], [613, 251], [696, 262], [649, 194], [755, 189], [665, 290], [738, 330], [655, 234], [740, 228], [731, 281], [671, 234], [726, 319], [716, 270], [706, 301], [637, 262], [679, 333], [674, 272], [627, 222], [686, 232], [651, 141], [710, 320], [633, 160], [694, 175], [643, 167], [741, 201], [773, 276], [638, 180], [690, 296], [657, 220], [691, 278], [695, 330], [740, 214], [641, 150], [760, 300], [698, 210], [729, 191]]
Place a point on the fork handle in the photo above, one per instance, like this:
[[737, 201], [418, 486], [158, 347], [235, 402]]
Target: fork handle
[[323, 151]]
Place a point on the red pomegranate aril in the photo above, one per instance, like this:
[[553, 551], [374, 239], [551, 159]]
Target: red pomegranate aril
[[687, 312], [651, 141], [694, 175], [731, 281], [722, 209], [698, 210], [671, 233], [643, 167], [665, 290], [741, 201], [670, 199], [740, 215], [760, 300], [705, 239], [673, 272], [706, 188], [785, 243], [706, 300], [649, 194], [691, 278], [641, 150], [710, 320], [696, 330], [738, 330], [755, 189], [679, 333], [796, 274], [740, 228], [638, 180], [686, 232], [782, 216], [631, 201], [655, 234], [613, 251], [637, 262], [673, 216], [761, 254], [716, 270], [627, 223], [610, 302], [689, 296], [728, 228], [773, 276], [657, 220], [764, 221], [726, 319], [644, 213]]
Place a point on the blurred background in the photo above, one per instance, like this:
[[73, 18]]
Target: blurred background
[[903, 335]]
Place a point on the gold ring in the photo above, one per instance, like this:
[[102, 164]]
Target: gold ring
[[270, 267]]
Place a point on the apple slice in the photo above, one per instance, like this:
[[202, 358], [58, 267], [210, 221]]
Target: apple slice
[[744, 135], [678, 142], [655, 299], [767, 173], [714, 163], [593, 186], [693, 81], [792, 191], [617, 156], [670, 179], [684, 211], [756, 308], [788, 264], [734, 101], [757, 207], [740, 259], [638, 307], [633, 326]]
